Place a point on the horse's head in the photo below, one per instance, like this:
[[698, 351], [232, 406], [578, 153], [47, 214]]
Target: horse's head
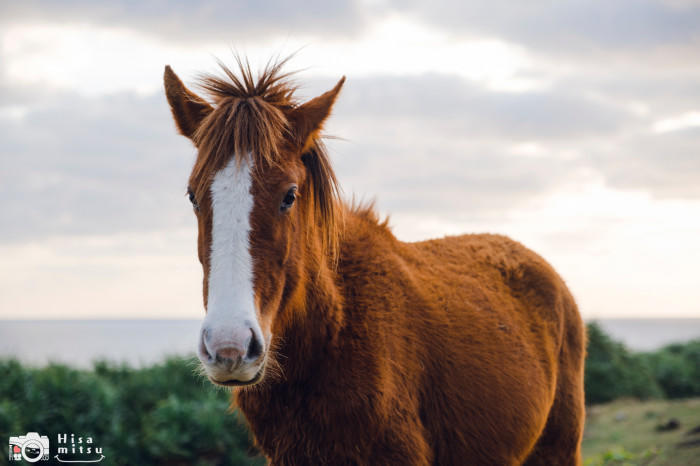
[[262, 190]]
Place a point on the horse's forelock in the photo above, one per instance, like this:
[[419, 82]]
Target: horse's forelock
[[249, 120]]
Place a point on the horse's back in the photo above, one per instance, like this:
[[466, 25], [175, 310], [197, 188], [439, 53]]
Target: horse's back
[[479, 280], [502, 329]]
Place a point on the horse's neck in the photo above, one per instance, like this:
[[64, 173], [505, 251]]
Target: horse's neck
[[314, 320], [316, 315]]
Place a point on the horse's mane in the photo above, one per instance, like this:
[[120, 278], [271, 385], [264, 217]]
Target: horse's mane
[[249, 122]]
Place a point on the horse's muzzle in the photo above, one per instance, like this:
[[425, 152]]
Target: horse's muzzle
[[232, 356]]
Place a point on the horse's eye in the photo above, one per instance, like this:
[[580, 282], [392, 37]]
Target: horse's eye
[[289, 199], [193, 200]]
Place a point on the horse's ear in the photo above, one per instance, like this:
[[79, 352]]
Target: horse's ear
[[188, 108], [308, 118]]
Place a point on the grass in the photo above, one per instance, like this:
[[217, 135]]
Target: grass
[[625, 432]]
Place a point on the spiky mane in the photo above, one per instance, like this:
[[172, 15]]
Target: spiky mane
[[249, 114]]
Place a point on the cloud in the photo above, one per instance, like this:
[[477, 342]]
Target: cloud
[[666, 165], [558, 27], [88, 166], [676, 123], [568, 26], [197, 21], [657, 90], [469, 111], [438, 145]]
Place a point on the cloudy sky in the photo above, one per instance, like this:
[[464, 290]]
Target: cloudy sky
[[571, 126]]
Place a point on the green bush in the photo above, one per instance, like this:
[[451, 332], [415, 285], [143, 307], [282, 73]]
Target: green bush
[[195, 431], [677, 369], [612, 371], [163, 414]]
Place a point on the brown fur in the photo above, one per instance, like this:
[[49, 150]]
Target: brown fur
[[462, 350]]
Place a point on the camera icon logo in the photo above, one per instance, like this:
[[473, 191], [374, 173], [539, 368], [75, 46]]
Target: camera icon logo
[[31, 448]]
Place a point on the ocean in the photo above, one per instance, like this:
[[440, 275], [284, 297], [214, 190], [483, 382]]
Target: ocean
[[144, 342]]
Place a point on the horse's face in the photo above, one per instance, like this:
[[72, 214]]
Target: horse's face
[[252, 214], [249, 224], [249, 245]]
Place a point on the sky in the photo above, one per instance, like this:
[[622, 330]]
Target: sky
[[571, 126]]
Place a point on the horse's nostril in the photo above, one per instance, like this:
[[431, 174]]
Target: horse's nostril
[[203, 350], [254, 347]]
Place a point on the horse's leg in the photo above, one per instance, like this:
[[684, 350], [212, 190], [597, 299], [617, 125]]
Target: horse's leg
[[560, 442]]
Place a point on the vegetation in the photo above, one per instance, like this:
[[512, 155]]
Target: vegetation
[[166, 414], [613, 372]]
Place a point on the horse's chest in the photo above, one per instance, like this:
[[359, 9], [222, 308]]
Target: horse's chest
[[304, 429]]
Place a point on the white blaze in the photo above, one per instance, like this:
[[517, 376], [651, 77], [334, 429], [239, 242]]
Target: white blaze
[[230, 294]]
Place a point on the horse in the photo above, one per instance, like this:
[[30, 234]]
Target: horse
[[342, 345]]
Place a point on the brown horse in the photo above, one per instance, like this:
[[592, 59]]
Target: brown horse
[[346, 346]]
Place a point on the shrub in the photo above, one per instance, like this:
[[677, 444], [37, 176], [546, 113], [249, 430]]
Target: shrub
[[163, 414], [677, 369], [613, 372]]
